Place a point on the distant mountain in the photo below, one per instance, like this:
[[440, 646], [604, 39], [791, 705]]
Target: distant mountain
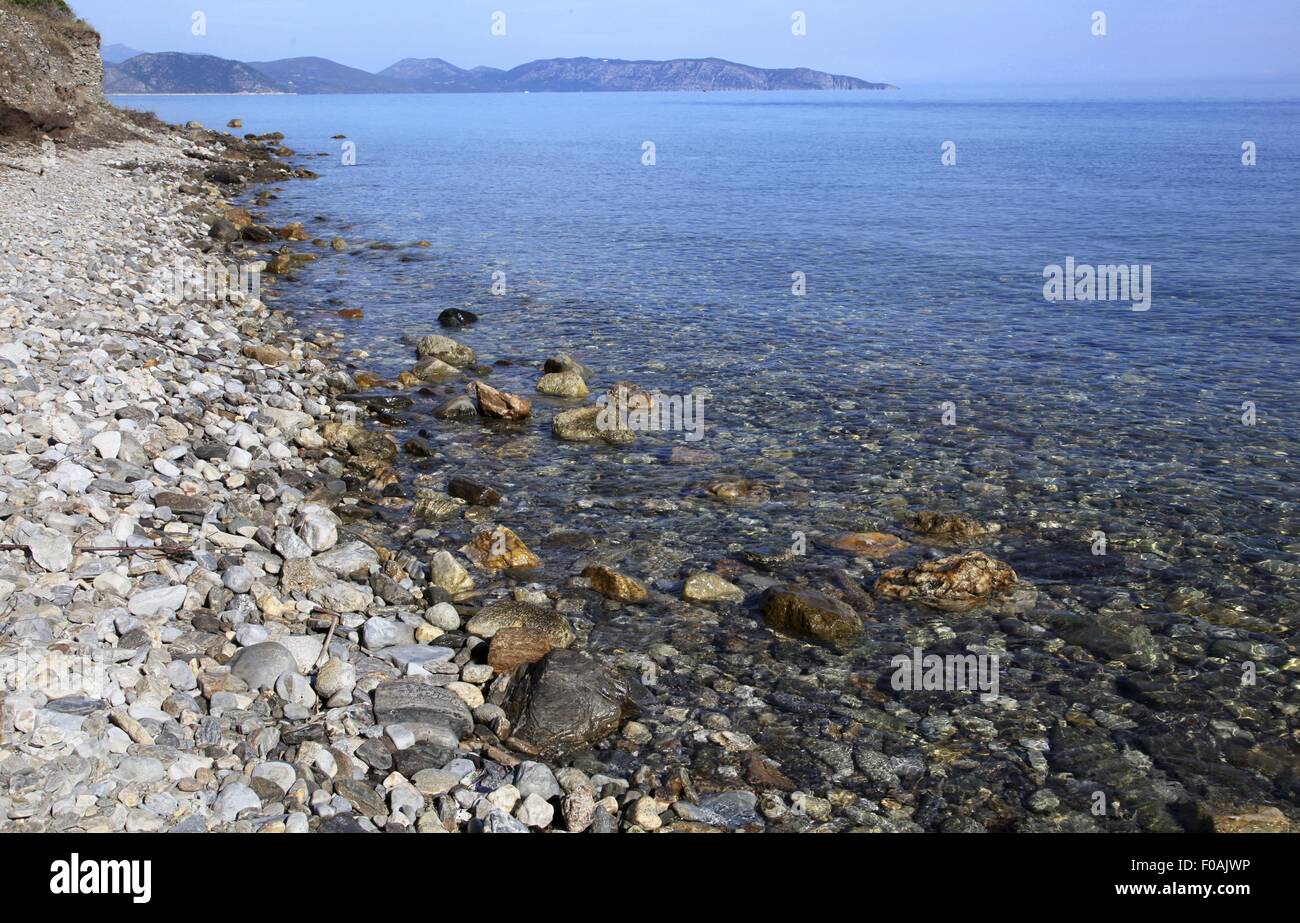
[[321, 75], [186, 73], [116, 54], [610, 75], [428, 75], [173, 72]]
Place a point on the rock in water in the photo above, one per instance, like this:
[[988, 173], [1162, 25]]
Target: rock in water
[[563, 384], [500, 405], [944, 527], [807, 613], [868, 544], [953, 584], [413, 700], [510, 613], [473, 492], [709, 588], [563, 362], [583, 425], [457, 317], [564, 702], [446, 349], [610, 583], [500, 549]]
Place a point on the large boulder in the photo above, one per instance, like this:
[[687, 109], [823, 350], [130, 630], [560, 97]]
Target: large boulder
[[953, 584], [445, 348], [809, 614], [510, 613], [500, 405], [583, 424], [566, 701]]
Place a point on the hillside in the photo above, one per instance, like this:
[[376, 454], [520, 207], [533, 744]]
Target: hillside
[[182, 73], [50, 72], [172, 72]]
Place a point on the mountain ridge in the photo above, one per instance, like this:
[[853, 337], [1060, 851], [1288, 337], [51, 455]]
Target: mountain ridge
[[180, 72]]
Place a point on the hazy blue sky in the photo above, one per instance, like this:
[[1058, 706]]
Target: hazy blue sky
[[900, 41]]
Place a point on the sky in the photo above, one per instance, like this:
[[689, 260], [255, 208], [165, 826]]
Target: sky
[[905, 42]]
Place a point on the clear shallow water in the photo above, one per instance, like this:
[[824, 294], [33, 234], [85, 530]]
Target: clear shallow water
[[924, 287]]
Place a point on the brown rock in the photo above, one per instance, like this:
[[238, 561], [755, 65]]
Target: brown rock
[[869, 544], [954, 584], [473, 492], [267, 355], [237, 216], [500, 549], [294, 231], [611, 583], [500, 404], [952, 528], [807, 613], [514, 647], [762, 773], [740, 490]]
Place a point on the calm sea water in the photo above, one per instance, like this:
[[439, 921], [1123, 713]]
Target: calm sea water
[[924, 294], [924, 286]]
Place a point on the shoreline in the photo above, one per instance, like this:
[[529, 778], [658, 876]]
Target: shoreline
[[182, 662]]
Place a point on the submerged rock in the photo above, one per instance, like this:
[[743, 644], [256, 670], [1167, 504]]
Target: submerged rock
[[954, 584], [807, 613], [583, 424], [868, 544], [740, 490], [610, 583], [953, 528], [704, 587], [563, 384]]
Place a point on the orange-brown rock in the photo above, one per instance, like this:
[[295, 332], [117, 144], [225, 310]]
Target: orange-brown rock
[[514, 647], [953, 584], [500, 405], [609, 582], [500, 549], [267, 355], [293, 231], [869, 544]]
